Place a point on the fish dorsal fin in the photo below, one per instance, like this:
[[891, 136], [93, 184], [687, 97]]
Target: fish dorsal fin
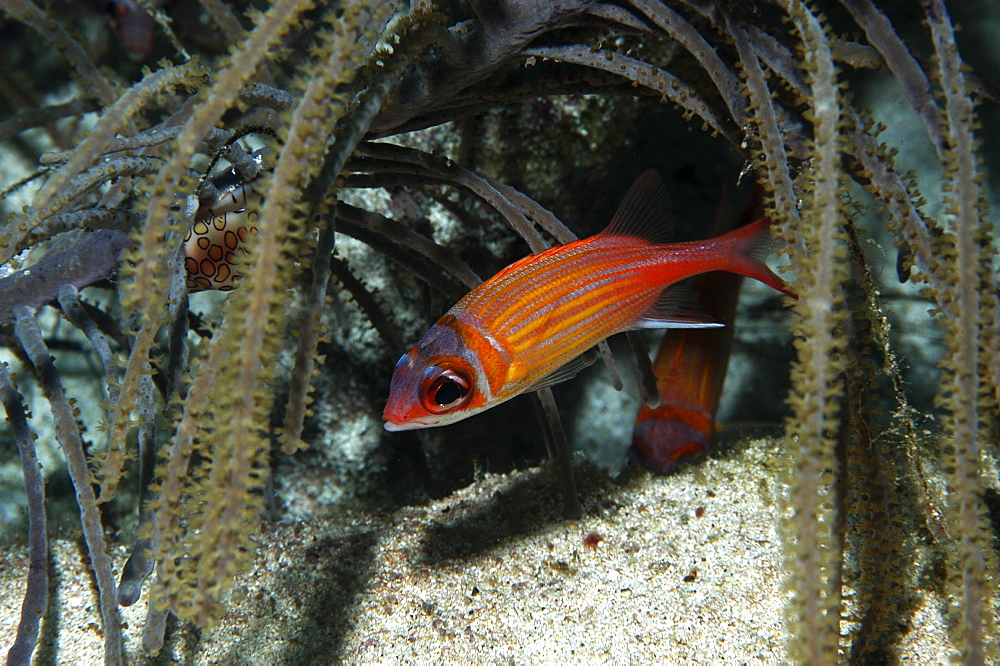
[[677, 307], [644, 212], [564, 372]]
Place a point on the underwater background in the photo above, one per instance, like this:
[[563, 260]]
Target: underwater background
[[231, 443]]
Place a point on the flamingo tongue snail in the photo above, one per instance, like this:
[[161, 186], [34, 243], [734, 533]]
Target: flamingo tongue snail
[[220, 230]]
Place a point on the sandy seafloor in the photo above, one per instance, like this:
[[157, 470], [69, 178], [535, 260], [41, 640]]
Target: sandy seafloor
[[688, 571]]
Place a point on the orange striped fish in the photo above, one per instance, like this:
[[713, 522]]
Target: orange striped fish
[[527, 326]]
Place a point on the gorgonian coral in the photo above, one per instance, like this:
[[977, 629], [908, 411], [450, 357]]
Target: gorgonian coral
[[317, 83]]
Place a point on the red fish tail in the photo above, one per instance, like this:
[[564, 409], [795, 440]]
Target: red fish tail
[[745, 250]]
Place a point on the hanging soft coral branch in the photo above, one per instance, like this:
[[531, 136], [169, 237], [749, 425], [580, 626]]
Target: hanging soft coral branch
[[963, 382], [37, 586], [71, 441], [812, 552]]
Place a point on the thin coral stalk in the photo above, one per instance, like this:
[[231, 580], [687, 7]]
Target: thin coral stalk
[[310, 335], [560, 452], [779, 178], [353, 223], [813, 554], [458, 175], [964, 202], [78, 316], [81, 172], [71, 442], [42, 116], [366, 302], [37, 588], [45, 25], [675, 25], [903, 65], [406, 237], [91, 258], [654, 78]]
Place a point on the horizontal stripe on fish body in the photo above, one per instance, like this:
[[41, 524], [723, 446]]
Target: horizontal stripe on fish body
[[563, 313], [606, 282]]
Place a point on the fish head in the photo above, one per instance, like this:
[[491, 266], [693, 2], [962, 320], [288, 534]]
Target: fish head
[[437, 382]]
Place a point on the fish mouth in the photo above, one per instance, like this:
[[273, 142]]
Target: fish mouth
[[393, 426]]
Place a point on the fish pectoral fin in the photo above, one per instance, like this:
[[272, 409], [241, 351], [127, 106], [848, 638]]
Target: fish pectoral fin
[[677, 307], [564, 372]]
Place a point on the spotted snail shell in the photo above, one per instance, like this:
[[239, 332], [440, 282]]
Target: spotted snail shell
[[220, 231]]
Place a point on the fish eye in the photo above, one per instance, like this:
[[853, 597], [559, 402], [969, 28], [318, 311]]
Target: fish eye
[[445, 389]]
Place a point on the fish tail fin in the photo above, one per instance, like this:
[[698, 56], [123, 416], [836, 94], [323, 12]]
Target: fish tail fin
[[746, 248]]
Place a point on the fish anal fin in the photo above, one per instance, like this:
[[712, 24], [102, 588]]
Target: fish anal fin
[[677, 307], [644, 212]]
